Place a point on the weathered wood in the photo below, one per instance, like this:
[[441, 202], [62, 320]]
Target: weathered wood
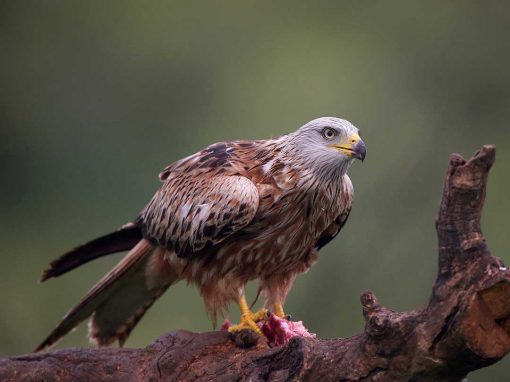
[[464, 327]]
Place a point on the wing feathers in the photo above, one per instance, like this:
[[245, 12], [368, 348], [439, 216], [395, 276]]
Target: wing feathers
[[190, 213], [122, 240]]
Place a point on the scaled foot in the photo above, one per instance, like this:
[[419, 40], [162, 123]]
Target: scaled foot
[[249, 321]]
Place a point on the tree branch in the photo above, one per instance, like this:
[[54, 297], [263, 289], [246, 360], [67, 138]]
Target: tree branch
[[464, 327]]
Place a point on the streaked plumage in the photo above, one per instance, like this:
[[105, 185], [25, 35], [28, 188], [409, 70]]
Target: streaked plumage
[[231, 213]]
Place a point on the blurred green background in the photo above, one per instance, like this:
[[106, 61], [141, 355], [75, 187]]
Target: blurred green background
[[97, 97]]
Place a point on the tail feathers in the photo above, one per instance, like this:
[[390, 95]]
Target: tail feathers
[[122, 240], [120, 299]]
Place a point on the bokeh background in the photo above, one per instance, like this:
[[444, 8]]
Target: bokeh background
[[97, 97]]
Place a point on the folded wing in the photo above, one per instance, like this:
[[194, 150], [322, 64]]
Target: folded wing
[[193, 211]]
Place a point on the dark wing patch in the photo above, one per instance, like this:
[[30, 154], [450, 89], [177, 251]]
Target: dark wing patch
[[333, 229], [214, 156]]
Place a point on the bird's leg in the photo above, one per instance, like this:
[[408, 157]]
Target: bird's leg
[[278, 311], [249, 319]]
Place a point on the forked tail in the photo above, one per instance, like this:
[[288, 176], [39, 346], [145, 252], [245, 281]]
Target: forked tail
[[118, 301]]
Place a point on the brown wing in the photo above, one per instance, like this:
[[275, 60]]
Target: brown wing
[[345, 204], [198, 206], [333, 229]]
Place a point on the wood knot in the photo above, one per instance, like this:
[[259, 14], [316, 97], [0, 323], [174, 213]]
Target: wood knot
[[378, 324], [245, 338], [378, 319], [456, 160], [369, 303]]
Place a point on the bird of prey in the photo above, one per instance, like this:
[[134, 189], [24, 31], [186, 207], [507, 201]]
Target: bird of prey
[[233, 212]]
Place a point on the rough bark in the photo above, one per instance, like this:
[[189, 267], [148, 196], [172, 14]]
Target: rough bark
[[464, 327]]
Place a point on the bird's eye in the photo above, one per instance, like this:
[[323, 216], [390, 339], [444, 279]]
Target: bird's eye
[[329, 133]]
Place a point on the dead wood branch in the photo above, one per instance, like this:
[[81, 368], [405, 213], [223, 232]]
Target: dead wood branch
[[464, 327]]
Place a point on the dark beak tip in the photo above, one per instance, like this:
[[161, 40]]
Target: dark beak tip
[[360, 151]]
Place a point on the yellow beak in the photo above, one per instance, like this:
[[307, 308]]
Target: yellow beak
[[354, 147]]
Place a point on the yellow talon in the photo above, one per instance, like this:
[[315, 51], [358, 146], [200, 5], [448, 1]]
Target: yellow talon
[[246, 323], [260, 315], [278, 311], [249, 319]]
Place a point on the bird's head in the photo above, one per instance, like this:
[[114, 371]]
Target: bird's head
[[330, 143]]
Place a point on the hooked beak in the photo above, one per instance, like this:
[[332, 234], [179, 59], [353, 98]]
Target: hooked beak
[[355, 147]]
